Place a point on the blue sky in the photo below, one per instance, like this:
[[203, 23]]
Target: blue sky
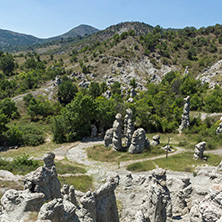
[[47, 18]]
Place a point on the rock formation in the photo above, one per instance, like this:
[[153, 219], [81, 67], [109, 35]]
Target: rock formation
[[117, 133], [182, 202], [57, 210], [16, 203], [210, 208], [94, 131], [157, 205], [44, 179], [128, 127], [185, 122], [42, 185], [156, 140], [199, 149], [219, 128], [108, 139], [139, 141]]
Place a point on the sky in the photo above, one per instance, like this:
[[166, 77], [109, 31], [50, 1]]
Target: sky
[[48, 18]]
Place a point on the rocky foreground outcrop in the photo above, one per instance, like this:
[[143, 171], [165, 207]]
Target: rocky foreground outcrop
[[42, 194]]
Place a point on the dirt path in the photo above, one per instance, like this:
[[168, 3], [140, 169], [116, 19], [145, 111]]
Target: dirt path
[[102, 170]]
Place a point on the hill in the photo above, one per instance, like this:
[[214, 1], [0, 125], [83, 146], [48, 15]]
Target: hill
[[10, 40], [81, 30], [13, 41]]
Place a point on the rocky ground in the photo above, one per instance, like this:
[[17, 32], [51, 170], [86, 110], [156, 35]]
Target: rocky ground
[[134, 187]]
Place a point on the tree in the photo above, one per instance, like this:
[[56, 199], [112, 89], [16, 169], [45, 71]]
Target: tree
[[191, 54], [66, 92], [94, 89], [9, 108], [74, 123], [7, 64]]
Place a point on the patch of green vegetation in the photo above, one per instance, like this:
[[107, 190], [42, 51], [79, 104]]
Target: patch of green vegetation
[[82, 183], [100, 153], [183, 162], [37, 151], [20, 165], [141, 166], [63, 168]]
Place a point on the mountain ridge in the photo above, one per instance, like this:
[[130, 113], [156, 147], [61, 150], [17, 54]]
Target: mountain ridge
[[10, 39]]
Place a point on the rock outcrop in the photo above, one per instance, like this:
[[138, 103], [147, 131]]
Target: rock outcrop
[[42, 194], [108, 138], [139, 141], [44, 179], [182, 203], [16, 203], [157, 205], [185, 122], [210, 208], [117, 133], [58, 210], [128, 127], [199, 149]]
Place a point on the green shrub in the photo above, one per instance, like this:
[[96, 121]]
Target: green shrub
[[32, 139]]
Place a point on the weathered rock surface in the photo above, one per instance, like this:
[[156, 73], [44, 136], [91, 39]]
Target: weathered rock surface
[[139, 141], [199, 149], [58, 210], [44, 179], [158, 206], [128, 127], [16, 203], [185, 122], [155, 141], [210, 208], [117, 133], [99, 206], [182, 203], [108, 139]]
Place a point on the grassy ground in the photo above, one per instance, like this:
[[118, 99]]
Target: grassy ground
[[82, 183], [100, 153], [33, 151], [181, 162], [186, 141]]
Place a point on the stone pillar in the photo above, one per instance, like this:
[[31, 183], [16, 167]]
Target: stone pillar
[[117, 133], [128, 127], [185, 122]]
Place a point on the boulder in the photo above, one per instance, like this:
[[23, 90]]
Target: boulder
[[139, 141], [156, 140], [199, 149]]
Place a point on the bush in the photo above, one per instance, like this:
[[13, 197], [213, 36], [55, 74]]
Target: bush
[[32, 139], [13, 136]]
